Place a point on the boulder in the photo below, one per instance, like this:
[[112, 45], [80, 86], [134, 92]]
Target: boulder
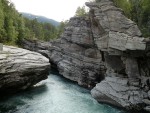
[[116, 91], [21, 69]]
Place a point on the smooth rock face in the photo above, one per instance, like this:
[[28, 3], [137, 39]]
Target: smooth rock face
[[20, 69]]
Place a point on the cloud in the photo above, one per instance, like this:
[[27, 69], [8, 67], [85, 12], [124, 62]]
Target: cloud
[[55, 9]]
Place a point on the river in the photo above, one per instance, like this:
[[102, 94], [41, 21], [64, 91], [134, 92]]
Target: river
[[54, 95]]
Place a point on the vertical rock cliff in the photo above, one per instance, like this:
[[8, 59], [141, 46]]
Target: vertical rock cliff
[[75, 54], [105, 49], [125, 56]]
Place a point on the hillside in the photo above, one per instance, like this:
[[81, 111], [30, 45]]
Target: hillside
[[14, 27], [40, 18]]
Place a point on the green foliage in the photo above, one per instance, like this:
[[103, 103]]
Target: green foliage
[[41, 31], [61, 27], [125, 5], [14, 27], [138, 11], [81, 11]]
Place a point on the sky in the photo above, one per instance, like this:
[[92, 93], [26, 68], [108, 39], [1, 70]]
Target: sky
[[58, 10]]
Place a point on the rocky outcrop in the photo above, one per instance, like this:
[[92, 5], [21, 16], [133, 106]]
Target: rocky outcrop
[[106, 49], [117, 31], [20, 69], [75, 54], [124, 50]]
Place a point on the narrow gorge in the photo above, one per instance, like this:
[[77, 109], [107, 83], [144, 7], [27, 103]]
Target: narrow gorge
[[104, 52]]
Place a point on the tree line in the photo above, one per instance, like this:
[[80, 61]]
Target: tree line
[[14, 27]]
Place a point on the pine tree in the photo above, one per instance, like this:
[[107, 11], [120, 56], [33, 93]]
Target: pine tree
[[80, 11]]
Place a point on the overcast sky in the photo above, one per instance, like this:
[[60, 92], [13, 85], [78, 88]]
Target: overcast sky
[[55, 9]]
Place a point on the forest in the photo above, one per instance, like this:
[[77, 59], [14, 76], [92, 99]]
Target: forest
[[14, 27]]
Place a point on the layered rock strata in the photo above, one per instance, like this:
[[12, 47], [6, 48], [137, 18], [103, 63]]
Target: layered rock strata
[[106, 46], [126, 83], [20, 69], [75, 54]]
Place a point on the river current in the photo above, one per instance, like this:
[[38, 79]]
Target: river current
[[54, 95]]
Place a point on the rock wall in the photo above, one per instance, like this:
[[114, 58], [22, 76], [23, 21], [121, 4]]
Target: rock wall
[[106, 49], [75, 54], [21, 69], [127, 79]]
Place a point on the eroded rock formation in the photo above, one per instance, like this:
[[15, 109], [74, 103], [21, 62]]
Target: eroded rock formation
[[20, 69], [124, 50], [75, 53], [105, 46]]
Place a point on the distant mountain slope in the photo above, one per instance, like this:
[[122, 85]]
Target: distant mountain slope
[[40, 18]]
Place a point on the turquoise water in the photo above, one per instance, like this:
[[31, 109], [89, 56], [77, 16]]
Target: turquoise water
[[55, 95]]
